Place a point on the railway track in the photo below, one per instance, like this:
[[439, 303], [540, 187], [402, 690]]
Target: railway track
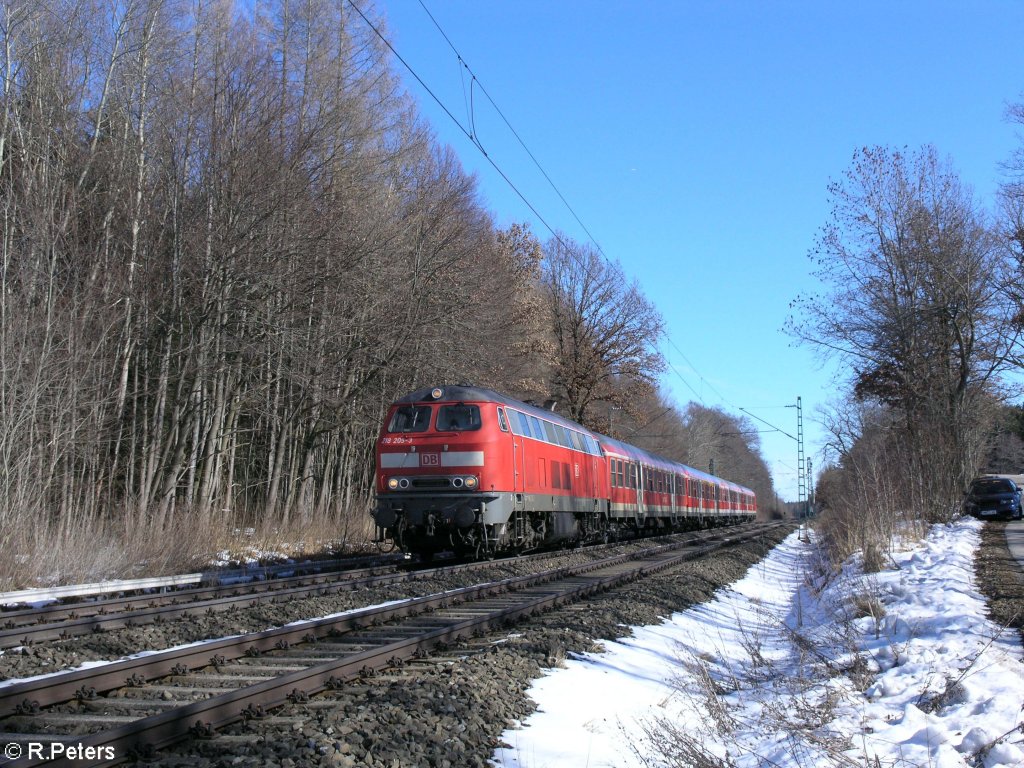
[[140, 704], [30, 627]]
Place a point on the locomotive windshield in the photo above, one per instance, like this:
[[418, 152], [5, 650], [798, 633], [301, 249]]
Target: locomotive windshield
[[410, 418], [458, 418]]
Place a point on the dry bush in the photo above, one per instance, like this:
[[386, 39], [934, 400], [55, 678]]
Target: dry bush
[[797, 698]]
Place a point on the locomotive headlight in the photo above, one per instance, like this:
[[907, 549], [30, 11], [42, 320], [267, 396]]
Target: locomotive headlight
[[471, 482], [393, 483]]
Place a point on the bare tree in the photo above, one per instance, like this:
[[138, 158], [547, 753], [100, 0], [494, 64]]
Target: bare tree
[[227, 242], [914, 308], [605, 331], [1012, 223]]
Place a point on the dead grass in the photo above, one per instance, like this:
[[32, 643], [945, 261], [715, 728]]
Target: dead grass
[[35, 553]]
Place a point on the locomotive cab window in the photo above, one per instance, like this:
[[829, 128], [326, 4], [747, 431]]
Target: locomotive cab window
[[458, 418], [410, 418]]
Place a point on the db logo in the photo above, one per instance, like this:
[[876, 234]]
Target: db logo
[[430, 460]]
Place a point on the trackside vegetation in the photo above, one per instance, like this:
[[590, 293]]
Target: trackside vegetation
[[921, 306]]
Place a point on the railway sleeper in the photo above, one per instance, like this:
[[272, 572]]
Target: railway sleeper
[[458, 637]]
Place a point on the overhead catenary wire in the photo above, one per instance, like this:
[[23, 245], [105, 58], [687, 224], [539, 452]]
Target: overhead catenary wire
[[475, 80], [468, 133], [472, 134]]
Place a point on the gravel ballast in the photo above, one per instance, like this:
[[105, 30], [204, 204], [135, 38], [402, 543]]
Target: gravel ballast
[[450, 710]]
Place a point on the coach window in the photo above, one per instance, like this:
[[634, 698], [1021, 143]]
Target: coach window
[[535, 428], [502, 421], [410, 418], [549, 432], [524, 424], [561, 433], [577, 441], [517, 428]]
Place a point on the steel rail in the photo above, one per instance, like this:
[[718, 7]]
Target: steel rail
[[166, 727], [59, 622], [51, 689], [255, 573], [51, 614]]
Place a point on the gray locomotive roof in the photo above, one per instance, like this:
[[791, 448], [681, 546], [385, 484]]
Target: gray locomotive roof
[[467, 393]]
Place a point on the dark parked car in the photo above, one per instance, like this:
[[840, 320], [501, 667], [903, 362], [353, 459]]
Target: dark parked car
[[994, 497]]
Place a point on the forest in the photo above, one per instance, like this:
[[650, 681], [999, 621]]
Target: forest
[[229, 242]]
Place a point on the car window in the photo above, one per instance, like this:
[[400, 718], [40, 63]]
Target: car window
[[992, 485]]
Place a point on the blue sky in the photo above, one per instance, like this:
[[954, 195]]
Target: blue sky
[[695, 142]]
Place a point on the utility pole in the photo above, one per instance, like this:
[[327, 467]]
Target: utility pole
[[801, 467], [611, 412], [810, 488]]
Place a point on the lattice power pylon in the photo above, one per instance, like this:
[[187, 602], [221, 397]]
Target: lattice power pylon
[[801, 466]]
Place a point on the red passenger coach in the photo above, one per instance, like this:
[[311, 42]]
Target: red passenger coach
[[466, 469]]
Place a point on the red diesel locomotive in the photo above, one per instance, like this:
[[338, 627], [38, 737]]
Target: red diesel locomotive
[[466, 469]]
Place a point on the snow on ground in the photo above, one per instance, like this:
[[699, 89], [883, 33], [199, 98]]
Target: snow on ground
[[899, 668]]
